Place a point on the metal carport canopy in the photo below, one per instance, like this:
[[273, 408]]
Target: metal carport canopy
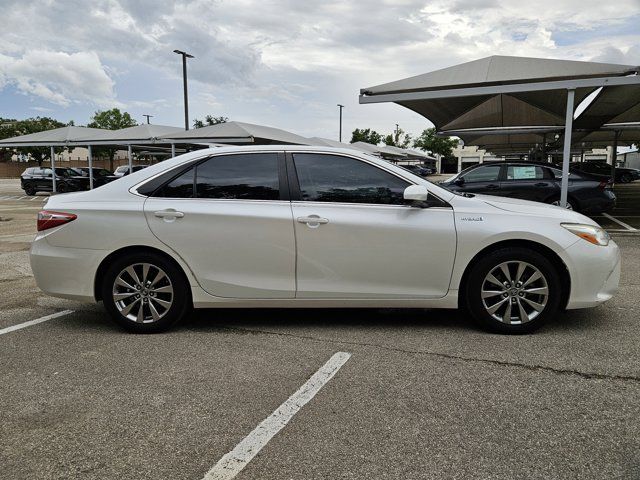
[[503, 91], [236, 133]]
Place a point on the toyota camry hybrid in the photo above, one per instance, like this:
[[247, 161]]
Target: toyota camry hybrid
[[310, 227]]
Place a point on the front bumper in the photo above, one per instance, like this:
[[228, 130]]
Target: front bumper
[[595, 273]]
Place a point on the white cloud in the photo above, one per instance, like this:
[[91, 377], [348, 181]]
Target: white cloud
[[59, 77], [286, 62]]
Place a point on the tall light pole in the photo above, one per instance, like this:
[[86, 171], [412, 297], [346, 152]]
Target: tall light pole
[[340, 134], [185, 55], [147, 117]]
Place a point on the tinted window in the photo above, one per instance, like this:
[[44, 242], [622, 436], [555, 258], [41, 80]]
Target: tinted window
[[46, 172], [248, 176], [331, 178], [180, 187], [483, 174], [524, 172]]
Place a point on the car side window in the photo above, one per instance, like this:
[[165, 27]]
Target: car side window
[[46, 172], [180, 187], [251, 176], [524, 172], [490, 173], [334, 178]]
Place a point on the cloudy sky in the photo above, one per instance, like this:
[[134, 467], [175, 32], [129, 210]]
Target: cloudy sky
[[285, 63]]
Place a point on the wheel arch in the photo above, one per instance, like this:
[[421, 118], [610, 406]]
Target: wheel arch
[[102, 268], [561, 267]]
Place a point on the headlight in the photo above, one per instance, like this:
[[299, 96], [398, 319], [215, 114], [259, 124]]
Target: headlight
[[590, 233]]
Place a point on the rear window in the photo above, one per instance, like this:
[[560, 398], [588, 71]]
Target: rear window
[[252, 176]]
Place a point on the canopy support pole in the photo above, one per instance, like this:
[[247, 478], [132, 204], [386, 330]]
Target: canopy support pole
[[90, 168], [130, 154], [173, 150], [614, 156], [53, 169], [566, 156]]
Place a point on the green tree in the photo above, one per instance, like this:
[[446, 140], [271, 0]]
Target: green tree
[[398, 139], [428, 141], [366, 135], [112, 119], [209, 120], [13, 128]]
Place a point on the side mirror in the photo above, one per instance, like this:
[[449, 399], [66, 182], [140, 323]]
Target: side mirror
[[459, 181], [416, 193]]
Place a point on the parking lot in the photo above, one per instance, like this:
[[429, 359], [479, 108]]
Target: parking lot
[[418, 394]]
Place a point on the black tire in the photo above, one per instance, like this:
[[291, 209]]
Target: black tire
[[479, 307], [180, 298], [625, 178], [61, 188], [30, 190]]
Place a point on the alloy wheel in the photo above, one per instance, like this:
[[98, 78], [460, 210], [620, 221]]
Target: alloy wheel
[[143, 293], [557, 204], [515, 292]]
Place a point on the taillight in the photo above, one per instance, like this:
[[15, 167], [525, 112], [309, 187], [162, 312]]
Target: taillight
[[605, 185], [48, 219]]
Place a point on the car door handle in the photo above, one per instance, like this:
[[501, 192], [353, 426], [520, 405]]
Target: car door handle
[[492, 186], [541, 184], [313, 221], [168, 213]]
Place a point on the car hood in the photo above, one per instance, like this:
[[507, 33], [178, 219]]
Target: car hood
[[526, 207]]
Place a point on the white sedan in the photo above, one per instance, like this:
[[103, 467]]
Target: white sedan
[[293, 226]]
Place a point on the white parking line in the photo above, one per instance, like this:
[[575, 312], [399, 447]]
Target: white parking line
[[628, 227], [233, 462], [13, 328]]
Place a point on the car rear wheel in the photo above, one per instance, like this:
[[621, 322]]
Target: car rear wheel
[[513, 290], [145, 293], [30, 190], [570, 203]]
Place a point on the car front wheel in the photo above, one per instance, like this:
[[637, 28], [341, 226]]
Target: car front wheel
[[145, 293], [29, 190], [513, 290]]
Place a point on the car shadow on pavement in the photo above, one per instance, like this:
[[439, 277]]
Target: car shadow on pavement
[[244, 321], [321, 319]]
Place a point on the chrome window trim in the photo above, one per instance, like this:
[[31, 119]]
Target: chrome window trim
[[134, 189]]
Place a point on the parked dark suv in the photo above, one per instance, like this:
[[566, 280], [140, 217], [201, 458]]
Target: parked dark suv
[[39, 179], [539, 182], [101, 176]]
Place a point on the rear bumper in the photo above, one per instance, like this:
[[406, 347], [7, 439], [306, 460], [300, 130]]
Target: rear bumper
[[65, 272], [595, 273], [599, 204]]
